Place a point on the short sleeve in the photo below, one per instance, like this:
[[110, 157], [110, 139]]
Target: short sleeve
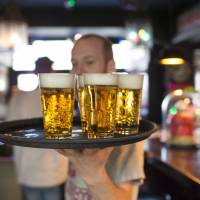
[[126, 163]]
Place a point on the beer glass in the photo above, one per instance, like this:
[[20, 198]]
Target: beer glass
[[129, 96], [81, 100], [100, 104], [57, 98]]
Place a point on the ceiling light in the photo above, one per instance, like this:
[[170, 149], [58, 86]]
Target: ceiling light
[[171, 56], [172, 61]]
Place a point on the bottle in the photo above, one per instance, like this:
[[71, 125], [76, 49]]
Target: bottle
[[181, 119]]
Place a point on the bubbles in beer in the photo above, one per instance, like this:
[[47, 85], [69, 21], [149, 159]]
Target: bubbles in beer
[[57, 104], [100, 110], [128, 110], [81, 100]]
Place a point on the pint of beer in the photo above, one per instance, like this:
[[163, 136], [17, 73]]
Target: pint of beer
[[100, 104], [81, 100], [129, 98], [57, 97]]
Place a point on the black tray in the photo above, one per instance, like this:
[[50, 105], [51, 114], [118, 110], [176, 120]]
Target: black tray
[[30, 133]]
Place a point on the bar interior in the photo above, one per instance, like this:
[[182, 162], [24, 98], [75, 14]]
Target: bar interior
[[159, 39]]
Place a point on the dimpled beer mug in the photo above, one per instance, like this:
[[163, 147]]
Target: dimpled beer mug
[[81, 100], [57, 97], [129, 98], [100, 104]]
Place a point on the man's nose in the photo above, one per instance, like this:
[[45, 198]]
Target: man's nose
[[77, 69]]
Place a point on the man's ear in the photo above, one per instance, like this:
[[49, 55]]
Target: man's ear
[[111, 66]]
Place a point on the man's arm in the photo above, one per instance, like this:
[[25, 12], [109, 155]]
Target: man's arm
[[107, 190], [90, 164]]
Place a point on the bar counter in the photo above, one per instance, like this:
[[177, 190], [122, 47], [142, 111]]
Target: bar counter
[[174, 172]]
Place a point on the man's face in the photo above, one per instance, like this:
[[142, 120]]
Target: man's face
[[88, 57]]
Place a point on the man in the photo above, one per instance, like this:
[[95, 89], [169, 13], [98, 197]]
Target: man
[[109, 173], [41, 173]]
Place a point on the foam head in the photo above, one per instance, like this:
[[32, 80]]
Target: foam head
[[56, 80], [100, 79], [130, 81], [80, 81]]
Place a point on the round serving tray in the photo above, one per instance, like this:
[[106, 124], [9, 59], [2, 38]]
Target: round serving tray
[[30, 133]]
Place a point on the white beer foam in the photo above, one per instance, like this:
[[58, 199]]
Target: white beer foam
[[56, 80], [100, 79], [130, 81], [80, 80]]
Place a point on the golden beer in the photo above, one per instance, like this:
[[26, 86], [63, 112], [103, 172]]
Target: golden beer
[[57, 97], [100, 104], [129, 98], [81, 100]]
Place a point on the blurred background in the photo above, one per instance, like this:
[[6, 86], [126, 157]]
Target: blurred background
[[139, 29], [142, 32]]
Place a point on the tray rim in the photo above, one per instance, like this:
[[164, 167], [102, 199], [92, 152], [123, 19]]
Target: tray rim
[[69, 143]]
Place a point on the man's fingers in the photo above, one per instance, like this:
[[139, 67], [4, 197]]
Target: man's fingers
[[95, 151], [72, 153], [90, 151], [67, 152], [61, 151]]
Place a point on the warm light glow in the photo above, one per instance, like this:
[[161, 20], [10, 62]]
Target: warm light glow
[[178, 92], [172, 61], [141, 32], [13, 34], [187, 101], [144, 35]]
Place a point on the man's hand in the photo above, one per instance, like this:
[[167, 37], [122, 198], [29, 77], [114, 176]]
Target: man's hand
[[89, 163]]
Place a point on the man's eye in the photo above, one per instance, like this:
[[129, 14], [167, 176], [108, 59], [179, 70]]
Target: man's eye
[[90, 62], [74, 64]]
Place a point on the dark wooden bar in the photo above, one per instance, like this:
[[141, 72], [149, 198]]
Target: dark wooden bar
[[172, 173]]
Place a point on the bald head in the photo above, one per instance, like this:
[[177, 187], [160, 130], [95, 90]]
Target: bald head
[[92, 53], [106, 45]]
